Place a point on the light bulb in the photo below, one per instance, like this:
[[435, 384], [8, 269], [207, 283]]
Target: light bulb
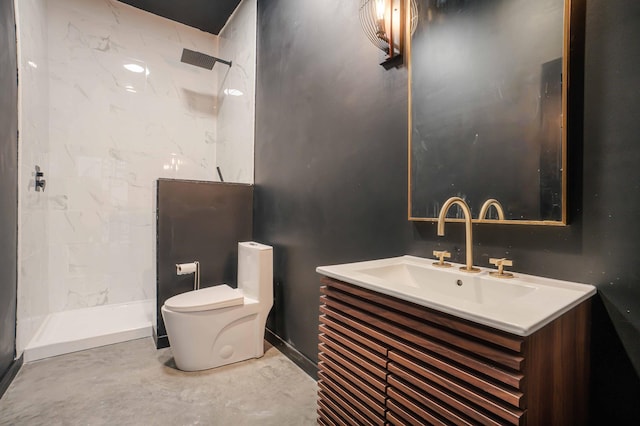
[[380, 9]]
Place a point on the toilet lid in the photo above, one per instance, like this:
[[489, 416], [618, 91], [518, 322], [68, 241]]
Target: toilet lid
[[205, 299]]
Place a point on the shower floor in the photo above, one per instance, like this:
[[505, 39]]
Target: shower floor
[[80, 329]]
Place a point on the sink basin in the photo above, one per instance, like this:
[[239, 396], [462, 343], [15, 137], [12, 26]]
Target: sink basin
[[437, 283], [520, 305]]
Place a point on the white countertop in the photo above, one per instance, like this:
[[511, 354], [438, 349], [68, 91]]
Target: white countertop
[[519, 305]]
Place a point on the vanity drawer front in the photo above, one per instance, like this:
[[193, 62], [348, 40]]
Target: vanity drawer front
[[402, 338], [373, 388], [433, 317], [475, 389], [359, 367], [459, 364], [450, 398], [334, 338], [339, 324], [352, 327], [452, 338], [334, 410], [407, 405], [348, 401], [351, 369], [328, 416], [372, 400], [410, 412], [353, 362]]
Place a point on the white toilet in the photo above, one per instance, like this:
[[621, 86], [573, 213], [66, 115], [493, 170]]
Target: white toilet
[[220, 325]]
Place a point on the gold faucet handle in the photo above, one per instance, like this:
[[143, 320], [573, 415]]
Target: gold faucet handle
[[441, 255], [501, 263]]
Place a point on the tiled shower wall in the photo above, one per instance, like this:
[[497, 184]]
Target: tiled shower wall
[[103, 133], [124, 112], [33, 294]]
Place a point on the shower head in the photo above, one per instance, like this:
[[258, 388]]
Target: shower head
[[201, 60]]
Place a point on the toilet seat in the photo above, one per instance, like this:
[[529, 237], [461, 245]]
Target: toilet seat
[[205, 299]]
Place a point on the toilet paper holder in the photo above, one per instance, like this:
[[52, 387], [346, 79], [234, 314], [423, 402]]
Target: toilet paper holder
[[190, 268]]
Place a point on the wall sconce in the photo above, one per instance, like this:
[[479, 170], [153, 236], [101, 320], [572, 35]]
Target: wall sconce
[[384, 22]]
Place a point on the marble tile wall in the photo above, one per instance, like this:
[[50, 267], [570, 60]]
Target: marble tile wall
[[33, 250], [236, 112], [124, 112]]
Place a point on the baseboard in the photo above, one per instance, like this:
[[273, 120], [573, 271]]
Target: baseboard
[[309, 367], [161, 341], [11, 373]]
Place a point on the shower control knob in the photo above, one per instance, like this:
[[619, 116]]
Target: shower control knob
[[40, 183]]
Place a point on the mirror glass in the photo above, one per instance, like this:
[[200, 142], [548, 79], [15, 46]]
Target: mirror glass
[[486, 107]]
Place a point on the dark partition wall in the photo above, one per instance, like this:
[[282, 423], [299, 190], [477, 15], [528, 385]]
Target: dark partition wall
[[201, 221], [8, 188], [331, 177]]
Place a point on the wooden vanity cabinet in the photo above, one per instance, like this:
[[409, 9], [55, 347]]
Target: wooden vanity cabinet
[[383, 360]]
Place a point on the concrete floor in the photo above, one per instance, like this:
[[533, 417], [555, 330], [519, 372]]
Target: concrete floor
[[132, 383]]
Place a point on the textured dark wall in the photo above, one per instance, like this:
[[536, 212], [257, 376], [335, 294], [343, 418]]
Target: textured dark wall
[[331, 177], [201, 221], [330, 153], [8, 184]]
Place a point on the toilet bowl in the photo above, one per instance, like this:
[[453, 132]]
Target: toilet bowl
[[220, 325]]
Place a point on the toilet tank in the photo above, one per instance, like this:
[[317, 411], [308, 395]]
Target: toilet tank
[[255, 270]]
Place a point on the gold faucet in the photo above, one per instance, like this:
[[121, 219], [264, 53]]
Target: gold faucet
[[467, 222], [485, 209]]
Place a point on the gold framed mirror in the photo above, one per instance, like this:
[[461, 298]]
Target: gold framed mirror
[[488, 83]]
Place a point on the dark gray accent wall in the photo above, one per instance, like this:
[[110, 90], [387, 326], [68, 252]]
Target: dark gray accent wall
[[330, 153], [201, 221], [8, 185], [331, 177]]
